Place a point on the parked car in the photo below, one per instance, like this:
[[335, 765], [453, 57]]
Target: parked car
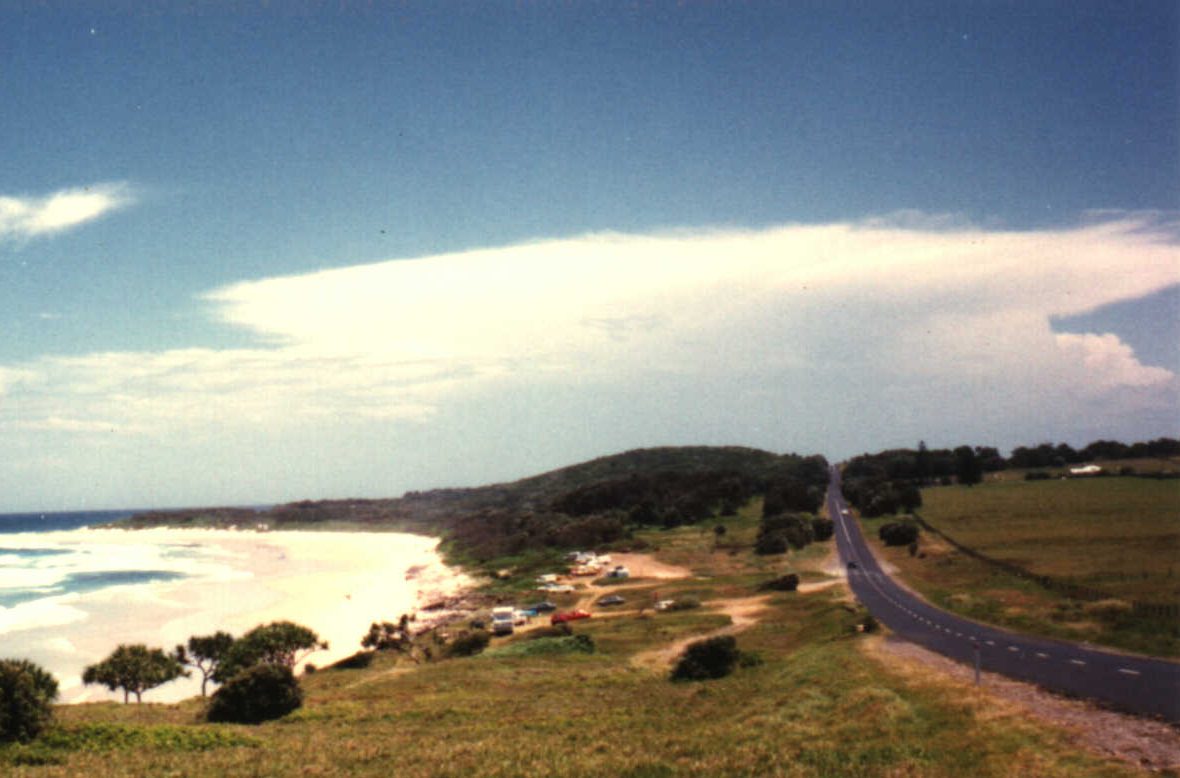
[[574, 615], [611, 599], [543, 607], [664, 605]]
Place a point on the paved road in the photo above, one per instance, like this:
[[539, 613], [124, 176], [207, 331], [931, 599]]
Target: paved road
[[1130, 683]]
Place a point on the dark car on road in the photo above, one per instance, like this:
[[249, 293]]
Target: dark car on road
[[611, 599]]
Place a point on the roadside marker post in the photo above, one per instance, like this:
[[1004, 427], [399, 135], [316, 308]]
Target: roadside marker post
[[975, 645]]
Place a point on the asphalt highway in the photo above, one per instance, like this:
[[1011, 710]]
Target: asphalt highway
[[1134, 684]]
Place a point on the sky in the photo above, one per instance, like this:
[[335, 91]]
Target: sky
[[255, 252]]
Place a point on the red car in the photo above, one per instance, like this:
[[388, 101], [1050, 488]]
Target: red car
[[574, 615]]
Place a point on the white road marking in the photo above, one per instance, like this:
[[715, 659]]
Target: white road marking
[[1076, 662], [1126, 671], [990, 642], [1042, 655], [1013, 648]]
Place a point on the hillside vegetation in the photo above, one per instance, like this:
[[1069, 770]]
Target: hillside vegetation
[[525, 522]]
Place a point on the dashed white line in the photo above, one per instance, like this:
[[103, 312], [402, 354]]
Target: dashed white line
[[1127, 671], [1042, 655], [1076, 662], [990, 642], [1013, 648]]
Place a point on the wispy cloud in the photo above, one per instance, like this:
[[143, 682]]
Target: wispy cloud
[[32, 217], [894, 329]]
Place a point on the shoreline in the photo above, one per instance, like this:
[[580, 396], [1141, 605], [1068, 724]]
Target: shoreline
[[334, 582]]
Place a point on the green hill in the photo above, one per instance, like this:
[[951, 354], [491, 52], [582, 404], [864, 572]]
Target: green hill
[[593, 503]]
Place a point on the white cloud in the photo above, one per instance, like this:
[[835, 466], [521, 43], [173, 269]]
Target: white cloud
[[1109, 362], [898, 331], [31, 217]]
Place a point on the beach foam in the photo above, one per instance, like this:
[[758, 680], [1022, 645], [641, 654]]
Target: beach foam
[[333, 582]]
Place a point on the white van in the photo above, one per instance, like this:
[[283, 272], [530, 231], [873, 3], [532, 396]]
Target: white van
[[502, 620]]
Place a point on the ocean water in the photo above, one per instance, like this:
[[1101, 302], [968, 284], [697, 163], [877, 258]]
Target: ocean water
[[71, 592], [47, 558]]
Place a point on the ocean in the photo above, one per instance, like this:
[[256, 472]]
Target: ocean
[[70, 593]]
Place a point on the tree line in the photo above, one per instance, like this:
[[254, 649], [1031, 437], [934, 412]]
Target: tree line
[[889, 482]]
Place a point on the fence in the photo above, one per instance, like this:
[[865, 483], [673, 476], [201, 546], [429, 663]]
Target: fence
[[1070, 589]]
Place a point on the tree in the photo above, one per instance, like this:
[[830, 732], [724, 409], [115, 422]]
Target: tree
[[27, 693], [968, 468], [259, 693], [134, 669], [791, 494], [205, 653], [909, 497], [922, 462], [898, 533], [280, 643]]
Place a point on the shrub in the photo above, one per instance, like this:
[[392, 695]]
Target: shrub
[[823, 529], [713, 657], [26, 700], [684, 604], [469, 643], [358, 661], [870, 624], [784, 583], [898, 533], [1037, 475], [259, 693]]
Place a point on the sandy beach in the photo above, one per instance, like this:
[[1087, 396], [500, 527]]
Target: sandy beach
[[336, 583]]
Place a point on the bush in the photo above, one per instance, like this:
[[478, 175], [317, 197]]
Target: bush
[[26, 700], [1037, 475], [684, 604], [469, 643], [898, 533], [358, 661], [259, 693], [713, 657], [823, 529], [784, 583]]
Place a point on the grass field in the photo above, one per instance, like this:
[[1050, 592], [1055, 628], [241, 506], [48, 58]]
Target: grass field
[[816, 705], [1120, 536]]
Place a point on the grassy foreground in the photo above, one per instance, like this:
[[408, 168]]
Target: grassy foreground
[[1119, 536], [816, 705]]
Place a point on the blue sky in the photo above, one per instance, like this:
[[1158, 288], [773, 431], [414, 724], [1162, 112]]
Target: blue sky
[[256, 252]]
